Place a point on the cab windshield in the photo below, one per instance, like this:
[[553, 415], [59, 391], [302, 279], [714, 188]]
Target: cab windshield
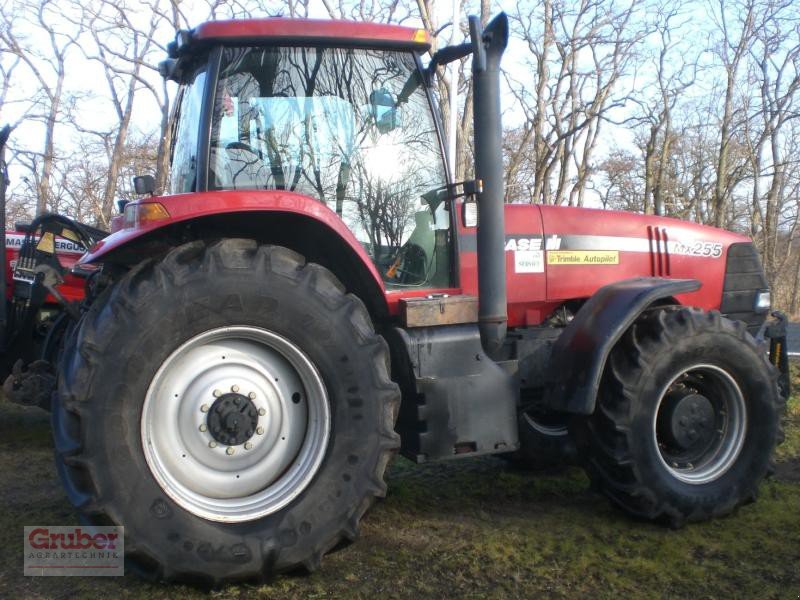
[[349, 127]]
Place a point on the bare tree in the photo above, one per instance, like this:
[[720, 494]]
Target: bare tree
[[737, 26], [775, 74], [622, 185], [674, 75], [578, 56], [47, 63], [121, 48]]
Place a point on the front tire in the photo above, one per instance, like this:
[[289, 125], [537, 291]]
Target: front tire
[[231, 407], [687, 418]]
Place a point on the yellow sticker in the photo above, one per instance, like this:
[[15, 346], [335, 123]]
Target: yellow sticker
[[47, 243], [583, 257], [69, 234], [420, 36]]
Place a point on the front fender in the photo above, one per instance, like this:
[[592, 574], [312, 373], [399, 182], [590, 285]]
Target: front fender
[[286, 219], [190, 207], [580, 353]]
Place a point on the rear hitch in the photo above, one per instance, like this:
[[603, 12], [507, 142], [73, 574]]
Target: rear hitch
[[775, 331]]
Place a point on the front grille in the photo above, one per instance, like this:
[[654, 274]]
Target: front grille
[[744, 278]]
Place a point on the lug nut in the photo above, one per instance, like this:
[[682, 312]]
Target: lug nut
[[203, 428], [217, 393], [262, 411], [212, 444], [229, 451], [260, 431], [234, 388], [248, 445], [252, 395], [204, 408]]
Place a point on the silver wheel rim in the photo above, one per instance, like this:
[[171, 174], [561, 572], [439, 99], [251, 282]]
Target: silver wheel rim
[[730, 424], [247, 480], [544, 428]]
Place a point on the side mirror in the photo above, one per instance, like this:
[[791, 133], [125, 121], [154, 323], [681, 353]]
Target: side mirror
[[144, 184], [469, 214], [384, 110]]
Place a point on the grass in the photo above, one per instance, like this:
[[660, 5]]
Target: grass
[[469, 528]]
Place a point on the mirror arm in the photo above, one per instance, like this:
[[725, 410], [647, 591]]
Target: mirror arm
[[445, 56]]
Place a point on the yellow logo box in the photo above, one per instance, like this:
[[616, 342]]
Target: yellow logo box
[[583, 257]]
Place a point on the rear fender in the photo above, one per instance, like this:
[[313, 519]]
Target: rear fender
[[580, 353]]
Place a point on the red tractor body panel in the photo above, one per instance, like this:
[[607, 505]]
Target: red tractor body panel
[[186, 207], [68, 254], [312, 32], [646, 246], [553, 254]]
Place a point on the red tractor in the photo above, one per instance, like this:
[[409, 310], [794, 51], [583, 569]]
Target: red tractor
[[316, 292]]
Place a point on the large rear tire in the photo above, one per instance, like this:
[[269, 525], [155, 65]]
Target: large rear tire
[[687, 418], [231, 407]]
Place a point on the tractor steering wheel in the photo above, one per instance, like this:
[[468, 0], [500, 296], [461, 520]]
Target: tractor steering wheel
[[409, 266]]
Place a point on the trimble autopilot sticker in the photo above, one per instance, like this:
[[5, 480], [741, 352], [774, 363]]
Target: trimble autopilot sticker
[[583, 257]]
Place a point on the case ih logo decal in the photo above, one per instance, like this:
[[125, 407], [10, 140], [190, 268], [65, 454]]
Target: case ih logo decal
[[535, 242], [65, 551]]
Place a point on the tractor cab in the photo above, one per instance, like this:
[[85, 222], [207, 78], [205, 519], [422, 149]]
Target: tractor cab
[[344, 121]]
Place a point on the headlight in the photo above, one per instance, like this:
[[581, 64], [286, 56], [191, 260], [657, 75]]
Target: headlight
[[763, 301]]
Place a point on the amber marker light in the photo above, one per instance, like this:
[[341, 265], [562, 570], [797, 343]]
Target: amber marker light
[[420, 36], [142, 214]]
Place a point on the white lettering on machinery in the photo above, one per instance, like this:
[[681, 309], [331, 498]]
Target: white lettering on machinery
[[553, 243], [695, 248], [684, 247], [523, 244], [14, 240]]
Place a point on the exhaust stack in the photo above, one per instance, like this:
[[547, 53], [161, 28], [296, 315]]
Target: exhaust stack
[[488, 46]]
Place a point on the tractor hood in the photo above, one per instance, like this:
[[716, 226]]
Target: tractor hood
[[594, 229], [556, 255], [588, 248]]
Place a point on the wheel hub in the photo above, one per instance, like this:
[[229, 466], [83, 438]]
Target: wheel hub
[[691, 420], [229, 456], [700, 423], [232, 419]]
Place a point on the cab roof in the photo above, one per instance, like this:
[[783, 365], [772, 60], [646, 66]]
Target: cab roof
[[312, 32]]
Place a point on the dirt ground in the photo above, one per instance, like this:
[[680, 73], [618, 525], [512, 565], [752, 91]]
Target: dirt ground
[[469, 528]]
